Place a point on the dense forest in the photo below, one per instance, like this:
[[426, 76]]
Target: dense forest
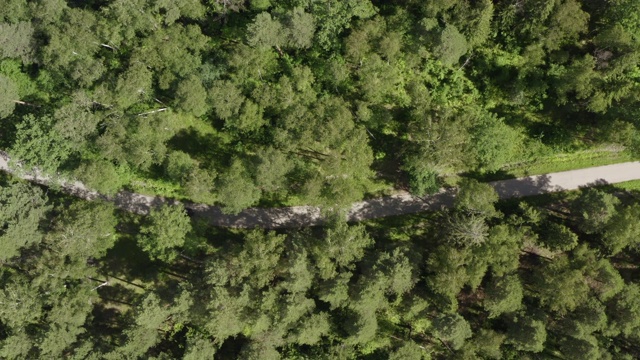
[[243, 103], [551, 277]]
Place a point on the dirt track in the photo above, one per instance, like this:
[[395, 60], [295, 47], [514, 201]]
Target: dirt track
[[299, 216]]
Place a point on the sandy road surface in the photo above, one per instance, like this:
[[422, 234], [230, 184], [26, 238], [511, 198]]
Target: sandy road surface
[[298, 216]]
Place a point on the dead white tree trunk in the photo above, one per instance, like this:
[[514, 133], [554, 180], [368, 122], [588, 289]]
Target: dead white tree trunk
[[101, 285], [24, 103], [153, 111]]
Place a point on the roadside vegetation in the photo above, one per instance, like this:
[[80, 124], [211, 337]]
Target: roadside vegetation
[[241, 103], [244, 103], [547, 276]]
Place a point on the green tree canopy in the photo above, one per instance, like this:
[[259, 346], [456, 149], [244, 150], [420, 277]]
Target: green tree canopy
[[503, 295], [23, 209], [477, 198], [527, 334], [453, 329], [86, 230], [236, 189], [165, 230], [452, 45], [17, 41], [619, 233], [8, 93]]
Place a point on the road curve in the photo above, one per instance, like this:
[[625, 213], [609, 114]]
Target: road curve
[[300, 216]]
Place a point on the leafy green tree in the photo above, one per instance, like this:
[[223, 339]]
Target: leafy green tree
[[447, 273], [225, 6], [335, 291], [494, 142], [179, 165], [172, 52], [23, 209], [452, 45], [477, 26], [357, 45], [580, 78], [433, 137], [236, 190], [259, 5], [397, 271], [585, 320], [476, 197], [166, 229], [380, 82], [559, 237], [560, 287], [39, 145], [340, 248], [594, 208], [199, 347], [226, 99], [335, 151], [607, 281], [334, 16], [391, 45], [85, 230], [256, 350], [487, 343], [250, 66], [254, 263], [502, 249], [423, 180], [17, 41], [100, 175], [199, 186], [272, 170], [619, 231], [137, 141], [300, 27], [566, 24], [527, 334], [265, 31], [65, 322], [191, 96], [21, 305], [581, 348], [249, 118], [503, 295], [72, 47], [602, 277], [17, 346], [227, 312], [8, 93], [152, 316], [312, 330], [362, 326], [624, 311], [75, 122], [134, 85], [452, 329], [16, 10], [146, 145], [408, 351]]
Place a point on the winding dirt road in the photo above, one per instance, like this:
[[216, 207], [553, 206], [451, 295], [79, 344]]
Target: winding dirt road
[[300, 216]]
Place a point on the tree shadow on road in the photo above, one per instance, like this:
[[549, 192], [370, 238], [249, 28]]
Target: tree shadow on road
[[533, 185], [401, 204]]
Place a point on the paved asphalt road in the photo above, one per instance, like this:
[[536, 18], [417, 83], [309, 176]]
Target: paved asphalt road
[[298, 216]]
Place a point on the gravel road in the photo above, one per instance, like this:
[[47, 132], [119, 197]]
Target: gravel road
[[299, 216]]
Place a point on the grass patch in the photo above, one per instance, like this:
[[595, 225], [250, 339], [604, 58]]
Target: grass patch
[[633, 185], [572, 161], [557, 163]]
